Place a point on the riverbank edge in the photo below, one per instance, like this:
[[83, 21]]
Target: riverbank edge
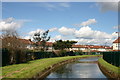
[[28, 73], [105, 67], [46, 71]]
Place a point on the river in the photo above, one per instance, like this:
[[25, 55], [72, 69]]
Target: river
[[78, 70]]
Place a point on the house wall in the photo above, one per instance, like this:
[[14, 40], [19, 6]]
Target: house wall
[[50, 49], [98, 49], [101, 49], [72, 49], [116, 46], [30, 47]]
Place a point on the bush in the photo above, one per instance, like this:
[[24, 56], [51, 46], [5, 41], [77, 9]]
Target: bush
[[71, 53], [63, 53], [20, 56], [79, 52], [5, 57]]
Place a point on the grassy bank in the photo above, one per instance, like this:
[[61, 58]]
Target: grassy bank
[[109, 67], [28, 70]]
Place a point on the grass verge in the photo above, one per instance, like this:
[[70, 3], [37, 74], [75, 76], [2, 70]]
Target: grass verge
[[108, 66], [28, 70]]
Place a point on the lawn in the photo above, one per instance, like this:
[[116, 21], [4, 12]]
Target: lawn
[[108, 66], [28, 70]]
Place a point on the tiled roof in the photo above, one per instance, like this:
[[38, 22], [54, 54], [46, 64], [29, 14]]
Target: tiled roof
[[79, 46], [96, 47], [26, 41], [117, 40], [47, 43], [115, 50]]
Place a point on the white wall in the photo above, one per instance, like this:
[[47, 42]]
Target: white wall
[[101, 49], [116, 46]]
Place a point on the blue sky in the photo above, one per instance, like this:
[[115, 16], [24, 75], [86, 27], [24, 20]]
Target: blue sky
[[40, 15]]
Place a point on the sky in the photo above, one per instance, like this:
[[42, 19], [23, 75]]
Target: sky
[[91, 23]]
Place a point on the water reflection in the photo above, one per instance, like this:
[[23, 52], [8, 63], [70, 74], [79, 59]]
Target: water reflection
[[77, 70], [89, 59]]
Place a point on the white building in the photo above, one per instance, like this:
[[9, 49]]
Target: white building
[[90, 48], [116, 44]]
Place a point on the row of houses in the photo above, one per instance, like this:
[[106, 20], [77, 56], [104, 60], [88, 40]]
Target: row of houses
[[83, 48]]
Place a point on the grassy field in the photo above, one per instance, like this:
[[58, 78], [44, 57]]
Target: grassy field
[[109, 66], [28, 70]]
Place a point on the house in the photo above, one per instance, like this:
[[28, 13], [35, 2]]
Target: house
[[83, 48], [90, 48], [116, 44], [78, 47], [28, 43], [49, 46]]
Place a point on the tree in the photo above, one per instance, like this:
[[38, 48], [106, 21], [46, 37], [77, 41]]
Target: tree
[[11, 42], [41, 39], [61, 45], [69, 43]]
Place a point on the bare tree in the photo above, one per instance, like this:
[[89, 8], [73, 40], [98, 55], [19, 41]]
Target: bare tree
[[11, 42]]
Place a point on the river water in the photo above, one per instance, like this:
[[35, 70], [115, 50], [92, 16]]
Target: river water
[[78, 70]]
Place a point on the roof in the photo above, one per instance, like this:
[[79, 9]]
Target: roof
[[115, 50], [117, 40], [47, 43], [79, 46], [26, 41]]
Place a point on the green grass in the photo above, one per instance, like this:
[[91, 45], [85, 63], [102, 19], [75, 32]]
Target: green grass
[[108, 66], [28, 70]]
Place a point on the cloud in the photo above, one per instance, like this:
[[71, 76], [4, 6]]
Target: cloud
[[88, 36], [86, 23], [66, 31], [95, 41], [10, 24], [84, 32], [88, 33], [57, 37], [108, 6], [85, 35], [53, 29], [55, 6], [115, 35], [31, 33], [27, 37]]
